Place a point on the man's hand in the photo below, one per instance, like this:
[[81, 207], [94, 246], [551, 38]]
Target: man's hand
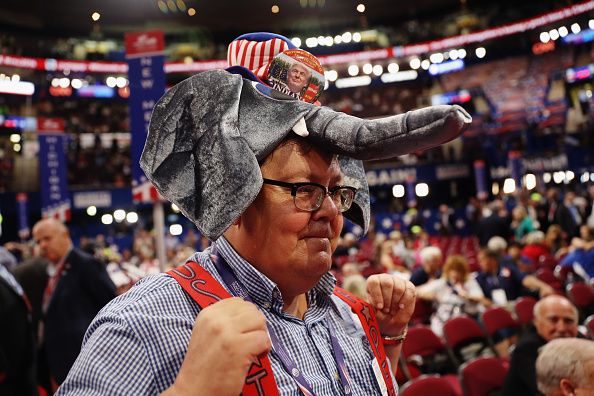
[[226, 338], [394, 301]]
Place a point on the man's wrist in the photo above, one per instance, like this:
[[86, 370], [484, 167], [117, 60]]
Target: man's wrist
[[395, 339]]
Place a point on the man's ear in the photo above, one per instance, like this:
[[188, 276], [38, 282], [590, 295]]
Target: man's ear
[[567, 388]]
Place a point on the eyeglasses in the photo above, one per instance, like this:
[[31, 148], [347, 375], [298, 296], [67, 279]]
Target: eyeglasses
[[309, 196]]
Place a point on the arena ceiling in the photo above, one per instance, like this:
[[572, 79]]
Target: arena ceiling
[[74, 16]]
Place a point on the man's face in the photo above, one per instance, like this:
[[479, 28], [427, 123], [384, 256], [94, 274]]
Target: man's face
[[556, 319], [486, 263], [297, 78], [291, 246], [53, 242]]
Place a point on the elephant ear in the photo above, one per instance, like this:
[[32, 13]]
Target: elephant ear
[[201, 149]]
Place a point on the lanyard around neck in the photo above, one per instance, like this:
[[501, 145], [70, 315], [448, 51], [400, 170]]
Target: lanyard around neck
[[288, 363]]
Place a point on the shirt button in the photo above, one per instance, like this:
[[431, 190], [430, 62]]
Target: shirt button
[[295, 372], [266, 305]]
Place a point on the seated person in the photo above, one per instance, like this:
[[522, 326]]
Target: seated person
[[502, 283], [455, 293], [431, 260]]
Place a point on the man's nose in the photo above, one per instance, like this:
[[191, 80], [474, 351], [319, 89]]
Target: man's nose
[[328, 208]]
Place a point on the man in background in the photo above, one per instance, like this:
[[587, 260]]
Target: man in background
[[77, 289], [554, 317], [566, 367]]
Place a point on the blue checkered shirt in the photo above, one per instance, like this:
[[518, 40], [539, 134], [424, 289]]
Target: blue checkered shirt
[[136, 344]]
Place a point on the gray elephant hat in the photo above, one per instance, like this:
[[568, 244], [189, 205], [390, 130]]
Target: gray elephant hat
[[208, 134]]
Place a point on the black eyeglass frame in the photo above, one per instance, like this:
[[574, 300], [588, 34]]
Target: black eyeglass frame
[[327, 191]]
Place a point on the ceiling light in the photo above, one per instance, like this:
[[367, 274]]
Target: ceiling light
[[275, 9], [353, 70], [367, 68], [191, 11], [480, 52], [545, 37], [393, 67], [296, 41], [361, 8], [95, 16]]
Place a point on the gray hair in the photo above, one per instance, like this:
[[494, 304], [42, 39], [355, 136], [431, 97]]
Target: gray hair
[[535, 237], [536, 310], [497, 244], [429, 252], [563, 358]]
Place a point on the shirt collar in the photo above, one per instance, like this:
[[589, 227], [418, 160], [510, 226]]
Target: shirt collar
[[261, 289]]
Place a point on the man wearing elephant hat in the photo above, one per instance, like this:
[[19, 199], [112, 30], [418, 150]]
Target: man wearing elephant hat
[[268, 178]]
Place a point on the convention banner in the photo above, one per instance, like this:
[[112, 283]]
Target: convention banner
[[146, 60], [516, 167], [23, 216], [411, 196], [480, 177], [55, 199]]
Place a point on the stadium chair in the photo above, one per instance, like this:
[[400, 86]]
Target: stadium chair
[[582, 296], [466, 339], [524, 307], [548, 276], [426, 352], [589, 323], [548, 262], [502, 329], [482, 376], [428, 385], [422, 313]]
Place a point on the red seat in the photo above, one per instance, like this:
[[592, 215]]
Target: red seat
[[422, 312], [462, 332], [425, 349], [498, 318], [547, 276], [428, 385], [481, 376], [580, 294], [524, 310]]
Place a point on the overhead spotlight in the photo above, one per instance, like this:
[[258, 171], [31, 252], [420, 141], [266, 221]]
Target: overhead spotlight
[[55, 82], [275, 9], [353, 70], [461, 53], [15, 138], [95, 16], [575, 28], [563, 31], [64, 82], [76, 83], [119, 215], [393, 67], [480, 52], [378, 70], [296, 41], [337, 39], [509, 186], [530, 181], [17, 147], [422, 190], [546, 177], [321, 40], [367, 68], [92, 210], [415, 63], [356, 37], [175, 229], [329, 41], [545, 37], [191, 11], [436, 58], [361, 8], [554, 34], [398, 191], [331, 75], [107, 219], [15, 78], [591, 24], [347, 37], [121, 82], [559, 177], [311, 42], [132, 217], [453, 54], [425, 64], [569, 175], [111, 81]]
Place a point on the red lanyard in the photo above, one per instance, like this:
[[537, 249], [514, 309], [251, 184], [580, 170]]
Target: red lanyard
[[206, 290]]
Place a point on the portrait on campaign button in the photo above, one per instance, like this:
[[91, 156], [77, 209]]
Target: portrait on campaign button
[[297, 73]]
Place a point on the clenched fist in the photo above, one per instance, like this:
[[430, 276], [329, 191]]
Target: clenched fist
[[227, 337], [393, 299]]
